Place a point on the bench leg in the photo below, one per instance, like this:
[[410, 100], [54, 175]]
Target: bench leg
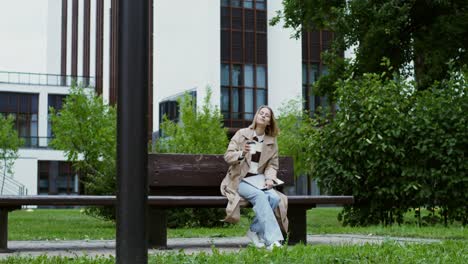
[[157, 228], [297, 225], [4, 230]]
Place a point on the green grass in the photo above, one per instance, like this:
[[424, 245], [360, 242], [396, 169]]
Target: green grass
[[324, 221], [70, 224], [57, 224], [453, 252]]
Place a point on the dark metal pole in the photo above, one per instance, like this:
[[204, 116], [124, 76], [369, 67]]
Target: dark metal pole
[[132, 157]]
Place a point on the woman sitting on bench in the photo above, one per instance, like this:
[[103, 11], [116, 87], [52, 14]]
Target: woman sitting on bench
[[253, 152]]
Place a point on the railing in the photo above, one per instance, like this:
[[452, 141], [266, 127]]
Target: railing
[[45, 79], [10, 186], [36, 142]]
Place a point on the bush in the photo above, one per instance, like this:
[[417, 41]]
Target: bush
[[394, 148], [198, 132]]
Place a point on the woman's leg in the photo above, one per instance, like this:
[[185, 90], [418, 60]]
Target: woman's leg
[[274, 200], [265, 222]]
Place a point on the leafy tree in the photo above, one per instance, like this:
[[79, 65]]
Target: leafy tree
[[296, 131], [426, 33], [85, 128], [9, 144], [197, 132]]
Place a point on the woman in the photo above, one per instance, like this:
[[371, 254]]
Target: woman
[[265, 228]]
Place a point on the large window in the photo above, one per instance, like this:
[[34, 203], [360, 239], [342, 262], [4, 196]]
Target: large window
[[313, 44], [24, 108], [57, 177], [243, 60]]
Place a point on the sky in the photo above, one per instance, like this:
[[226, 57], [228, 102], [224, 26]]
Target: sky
[[23, 31]]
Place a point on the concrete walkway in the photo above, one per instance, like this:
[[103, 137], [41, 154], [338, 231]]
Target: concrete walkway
[[188, 245]]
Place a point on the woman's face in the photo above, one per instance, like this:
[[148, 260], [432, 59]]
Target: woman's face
[[263, 117]]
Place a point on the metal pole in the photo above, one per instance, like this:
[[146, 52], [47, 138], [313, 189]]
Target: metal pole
[[132, 157]]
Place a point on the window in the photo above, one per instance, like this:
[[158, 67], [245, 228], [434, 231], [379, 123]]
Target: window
[[57, 177], [243, 60], [260, 4], [24, 108], [54, 101], [246, 91], [313, 43], [170, 109], [248, 3]]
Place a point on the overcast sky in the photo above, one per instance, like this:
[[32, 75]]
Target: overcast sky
[[23, 30]]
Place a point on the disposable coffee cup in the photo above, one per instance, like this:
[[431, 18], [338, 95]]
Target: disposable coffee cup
[[253, 149]]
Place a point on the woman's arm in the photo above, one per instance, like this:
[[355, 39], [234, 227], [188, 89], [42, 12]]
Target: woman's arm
[[272, 166], [234, 150]]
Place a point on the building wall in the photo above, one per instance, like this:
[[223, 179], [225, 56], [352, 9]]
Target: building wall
[[26, 166], [284, 62], [54, 22], [186, 50], [23, 36]]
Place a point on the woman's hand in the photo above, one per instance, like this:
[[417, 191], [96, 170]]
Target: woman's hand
[[246, 149], [269, 183]]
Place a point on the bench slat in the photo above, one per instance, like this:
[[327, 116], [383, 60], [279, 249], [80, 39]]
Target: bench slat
[[199, 170], [158, 201]]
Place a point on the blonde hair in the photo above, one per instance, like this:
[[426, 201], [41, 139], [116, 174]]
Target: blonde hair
[[271, 129]]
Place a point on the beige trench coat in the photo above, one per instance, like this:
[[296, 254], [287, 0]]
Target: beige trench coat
[[267, 165]]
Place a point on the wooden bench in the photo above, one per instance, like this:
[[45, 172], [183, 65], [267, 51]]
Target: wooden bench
[[178, 181]]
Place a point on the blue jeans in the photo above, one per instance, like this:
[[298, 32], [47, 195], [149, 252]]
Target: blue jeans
[[264, 204]]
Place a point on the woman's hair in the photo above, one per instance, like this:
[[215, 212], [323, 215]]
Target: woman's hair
[[272, 129]]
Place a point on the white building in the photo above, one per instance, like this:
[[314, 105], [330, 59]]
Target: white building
[[226, 45]]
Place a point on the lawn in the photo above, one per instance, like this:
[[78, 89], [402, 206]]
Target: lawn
[[69, 224]]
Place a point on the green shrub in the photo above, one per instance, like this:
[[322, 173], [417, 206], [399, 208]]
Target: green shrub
[[394, 148], [198, 132]]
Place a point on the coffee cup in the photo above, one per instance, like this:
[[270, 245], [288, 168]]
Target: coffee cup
[[253, 149]]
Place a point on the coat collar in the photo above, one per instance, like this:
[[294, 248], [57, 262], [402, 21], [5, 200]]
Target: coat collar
[[249, 134]]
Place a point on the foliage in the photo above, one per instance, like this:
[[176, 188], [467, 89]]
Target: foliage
[[296, 130], [85, 128], [439, 140], [9, 144], [198, 132], [428, 33], [395, 148]]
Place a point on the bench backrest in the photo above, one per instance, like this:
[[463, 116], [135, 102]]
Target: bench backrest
[[196, 174]]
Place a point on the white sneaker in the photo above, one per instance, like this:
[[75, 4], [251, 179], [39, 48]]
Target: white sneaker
[[273, 245], [255, 239]]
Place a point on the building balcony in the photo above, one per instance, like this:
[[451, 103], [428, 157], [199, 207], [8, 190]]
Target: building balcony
[[27, 78]]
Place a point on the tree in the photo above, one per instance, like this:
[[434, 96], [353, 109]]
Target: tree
[[426, 33], [297, 129], [9, 144], [85, 128], [197, 132]]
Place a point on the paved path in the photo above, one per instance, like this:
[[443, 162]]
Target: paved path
[[189, 245]]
